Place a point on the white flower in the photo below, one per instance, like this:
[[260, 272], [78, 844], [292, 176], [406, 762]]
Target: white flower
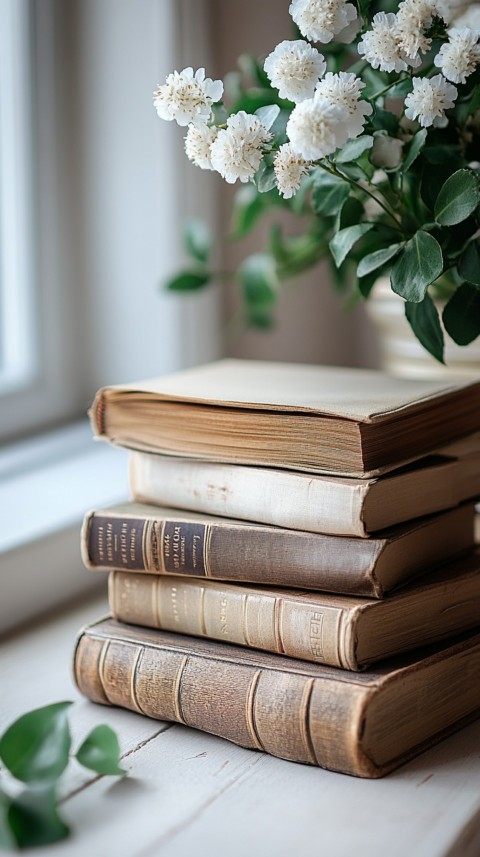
[[429, 100], [459, 57], [237, 151], [290, 168], [316, 128], [414, 17], [470, 18], [379, 45], [321, 20], [386, 152], [187, 97], [344, 90], [198, 143], [294, 68]]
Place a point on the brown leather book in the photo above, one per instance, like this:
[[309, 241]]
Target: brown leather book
[[331, 629], [165, 541], [352, 422], [365, 724], [333, 505]]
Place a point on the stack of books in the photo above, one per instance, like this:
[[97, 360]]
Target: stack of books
[[296, 571]]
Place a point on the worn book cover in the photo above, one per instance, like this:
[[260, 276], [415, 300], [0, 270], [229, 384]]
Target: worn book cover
[[365, 724], [165, 541], [352, 422]]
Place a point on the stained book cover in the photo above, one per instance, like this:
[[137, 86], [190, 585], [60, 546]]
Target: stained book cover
[[364, 724]]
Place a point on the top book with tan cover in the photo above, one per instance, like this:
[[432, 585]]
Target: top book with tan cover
[[351, 422]]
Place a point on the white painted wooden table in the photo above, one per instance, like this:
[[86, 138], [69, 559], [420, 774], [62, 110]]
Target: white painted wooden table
[[193, 794]]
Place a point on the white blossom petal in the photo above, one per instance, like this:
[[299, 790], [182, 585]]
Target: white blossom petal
[[430, 98], [238, 149], [470, 18], [290, 168], [198, 143], [321, 20], [187, 96], [379, 45], [316, 128], [294, 68], [459, 57], [344, 89], [414, 18]]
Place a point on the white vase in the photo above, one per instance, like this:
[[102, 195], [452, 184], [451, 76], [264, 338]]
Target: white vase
[[402, 354]]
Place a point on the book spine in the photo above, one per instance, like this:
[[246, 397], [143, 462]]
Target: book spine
[[289, 715], [236, 614], [231, 552], [277, 497]]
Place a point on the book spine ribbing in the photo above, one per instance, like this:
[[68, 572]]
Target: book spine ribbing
[[231, 552], [293, 716], [278, 497], [271, 622]]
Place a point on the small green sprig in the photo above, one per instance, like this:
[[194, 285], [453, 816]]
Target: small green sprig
[[36, 750]]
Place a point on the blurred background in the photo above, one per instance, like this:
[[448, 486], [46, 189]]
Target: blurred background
[[94, 189]]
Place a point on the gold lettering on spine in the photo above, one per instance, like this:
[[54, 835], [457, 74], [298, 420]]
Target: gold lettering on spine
[[206, 550], [316, 636], [164, 547], [251, 710]]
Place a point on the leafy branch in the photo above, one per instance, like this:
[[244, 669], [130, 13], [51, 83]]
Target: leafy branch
[[35, 752]]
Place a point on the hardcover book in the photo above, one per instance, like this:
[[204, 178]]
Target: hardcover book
[[351, 422], [337, 630], [163, 541], [365, 724], [300, 501]]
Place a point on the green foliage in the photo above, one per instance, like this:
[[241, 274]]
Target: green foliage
[[458, 198], [377, 259], [260, 288], [354, 148], [415, 148], [419, 264], [425, 323], [469, 264], [35, 750], [197, 240], [188, 281], [344, 240], [101, 752], [461, 316], [329, 193]]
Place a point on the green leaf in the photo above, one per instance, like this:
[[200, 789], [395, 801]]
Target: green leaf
[[375, 260], [100, 752], [7, 839], [415, 148], [34, 820], [35, 748], [197, 240], [350, 213], [402, 88], [366, 284], [188, 281], [329, 194], [260, 286], [354, 148], [457, 199], [344, 240], [419, 264], [433, 177], [265, 178], [248, 207], [384, 120], [425, 323], [461, 315], [363, 7], [268, 114], [469, 265]]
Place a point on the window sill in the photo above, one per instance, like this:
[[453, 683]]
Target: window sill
[[46, 486]]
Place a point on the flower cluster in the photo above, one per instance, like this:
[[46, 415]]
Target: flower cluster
[[368, 148]]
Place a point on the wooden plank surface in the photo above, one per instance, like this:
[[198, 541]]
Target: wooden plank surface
[[192, 793]]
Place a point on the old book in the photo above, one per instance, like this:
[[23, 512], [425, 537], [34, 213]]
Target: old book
[[351, 422], [316, 504], [165, 541], [331, 629], [364, 724]]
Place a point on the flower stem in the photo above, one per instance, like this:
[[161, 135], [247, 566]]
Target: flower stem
[[333, 171]]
